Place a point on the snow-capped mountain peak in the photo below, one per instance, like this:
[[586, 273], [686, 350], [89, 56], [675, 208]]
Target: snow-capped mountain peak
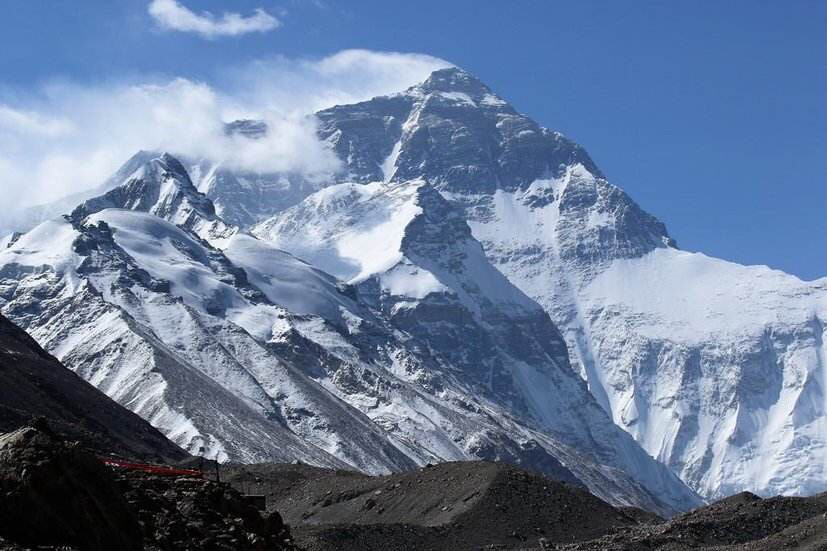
[[456, 85], [470, 286], [452, 131], [557, 229], [162, 187]]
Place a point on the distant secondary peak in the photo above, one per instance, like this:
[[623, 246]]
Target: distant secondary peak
[[163, 167], [161, 186], [246, 128]]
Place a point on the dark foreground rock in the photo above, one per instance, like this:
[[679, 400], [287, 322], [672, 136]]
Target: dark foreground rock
[[192, 513], [741, 522], [56, 495], [8, 546]]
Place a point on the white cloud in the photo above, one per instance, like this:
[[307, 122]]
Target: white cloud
[[348, 76], [29, 122], [170, 14], [67, 137]]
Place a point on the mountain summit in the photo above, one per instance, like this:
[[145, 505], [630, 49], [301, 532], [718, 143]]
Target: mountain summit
[[456, 80], [450, 130]]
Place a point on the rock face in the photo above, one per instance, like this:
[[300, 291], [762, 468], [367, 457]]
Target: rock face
[[34, 384], [57, 494], [452, 131]]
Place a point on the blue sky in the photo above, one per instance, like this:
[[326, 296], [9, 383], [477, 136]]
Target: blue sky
[[712, 115]]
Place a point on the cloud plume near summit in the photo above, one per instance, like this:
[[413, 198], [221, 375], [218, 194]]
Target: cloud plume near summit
[[66, 137]]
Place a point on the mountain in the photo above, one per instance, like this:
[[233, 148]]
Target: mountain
[[34, 384], [469, 286], [716, 369], [162, 187], [23, 220], [410, 253], [150, 319], [239, 350]]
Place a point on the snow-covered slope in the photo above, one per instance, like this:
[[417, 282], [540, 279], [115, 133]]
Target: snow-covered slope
[[736, 352], [411, 254], [139, 333], [253, 354], [33, 384], [716, 369]]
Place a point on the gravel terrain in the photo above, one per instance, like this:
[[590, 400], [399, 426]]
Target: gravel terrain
[[480, 506], [740, 522], [461, 505]]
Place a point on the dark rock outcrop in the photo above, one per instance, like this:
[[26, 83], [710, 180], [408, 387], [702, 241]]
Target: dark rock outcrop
[[486, 506], [743, 522], [57, 495], [193, 513]]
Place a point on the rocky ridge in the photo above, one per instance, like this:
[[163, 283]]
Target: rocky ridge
[[33, 384]]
